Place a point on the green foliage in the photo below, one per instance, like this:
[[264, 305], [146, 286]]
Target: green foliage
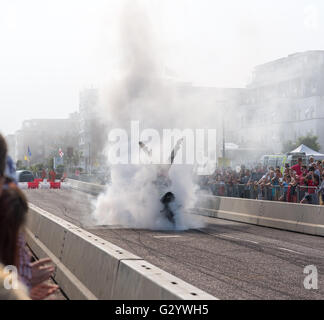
[[37, 168], [288, 146], [50, 163], [309, 140], [20, 165], [60, 168]]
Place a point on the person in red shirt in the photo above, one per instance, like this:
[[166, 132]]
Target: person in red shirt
[[298, 167], [52, 174]]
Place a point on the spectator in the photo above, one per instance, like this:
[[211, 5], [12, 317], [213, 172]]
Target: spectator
[[242, 181], [43, 174], [13, 213], [302, 182], [52, 175], [272, 184], [311, 161], [245, 180], [320, 192], [3, 155], [318, 168], [268, 184], [312, 181], [254, 178], [10, 170], [285, 184], [292, 192], [13, 210], [298, 166], [275, 182]]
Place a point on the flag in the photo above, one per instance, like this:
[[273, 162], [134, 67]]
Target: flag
[[61, 153], [29, 152], [26, 158]]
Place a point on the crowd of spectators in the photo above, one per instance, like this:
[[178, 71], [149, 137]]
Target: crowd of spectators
[[20, 276], [299, 183]]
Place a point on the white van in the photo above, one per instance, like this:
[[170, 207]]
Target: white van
[[274, 161], [279, 160]]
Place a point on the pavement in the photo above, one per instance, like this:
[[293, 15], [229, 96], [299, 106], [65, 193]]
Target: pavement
[[227, 259]]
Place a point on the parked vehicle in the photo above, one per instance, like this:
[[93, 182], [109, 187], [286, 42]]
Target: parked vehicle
[[274, 161], [279, 160], [25, 176]]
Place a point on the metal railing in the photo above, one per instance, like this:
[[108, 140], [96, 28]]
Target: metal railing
[[293, 194]]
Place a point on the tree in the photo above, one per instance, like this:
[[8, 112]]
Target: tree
[[311, 141], [20, 165], [77, 155], [50, 163], [288, 146], [37, 169]]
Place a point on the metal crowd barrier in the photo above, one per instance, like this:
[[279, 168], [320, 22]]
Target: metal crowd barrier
[[294, 194]]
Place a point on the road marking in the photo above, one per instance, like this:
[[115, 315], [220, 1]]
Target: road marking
[[292, 251], [235, 238], [227, 236], [161, 237]]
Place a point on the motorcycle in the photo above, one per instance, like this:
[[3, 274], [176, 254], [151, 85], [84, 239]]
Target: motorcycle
[[163, 182]]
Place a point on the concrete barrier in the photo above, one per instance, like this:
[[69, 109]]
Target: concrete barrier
[[307, 219], [91, 188], [88, 267]]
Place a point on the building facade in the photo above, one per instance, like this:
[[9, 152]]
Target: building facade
[[285, 100]]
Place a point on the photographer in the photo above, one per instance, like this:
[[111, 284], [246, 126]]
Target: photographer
[[312, 181]]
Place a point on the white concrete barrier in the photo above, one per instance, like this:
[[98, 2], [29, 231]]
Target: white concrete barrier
[[91, 188], [88, 267], [23, 185], [44, 186], [307, 219], [65, 186]]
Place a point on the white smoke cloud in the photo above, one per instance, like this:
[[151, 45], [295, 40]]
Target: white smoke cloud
[[140, 94]]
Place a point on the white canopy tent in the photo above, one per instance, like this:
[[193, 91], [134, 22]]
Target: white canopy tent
[[309, 152]]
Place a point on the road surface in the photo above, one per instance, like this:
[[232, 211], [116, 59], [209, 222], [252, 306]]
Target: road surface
[[227, 259]]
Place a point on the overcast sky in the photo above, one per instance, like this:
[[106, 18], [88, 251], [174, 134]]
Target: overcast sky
[[51, 49]]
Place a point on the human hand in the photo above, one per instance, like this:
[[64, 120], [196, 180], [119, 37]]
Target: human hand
[[41, 271], [42, 291]]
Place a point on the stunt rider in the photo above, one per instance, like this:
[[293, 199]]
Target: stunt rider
[[163, 181]]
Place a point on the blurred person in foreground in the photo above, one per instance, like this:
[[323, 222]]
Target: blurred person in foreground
[[13, 251], [13, 211], [10, 170]]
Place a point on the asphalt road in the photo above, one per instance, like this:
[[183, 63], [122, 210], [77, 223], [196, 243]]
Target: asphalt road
[[226, 259]]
